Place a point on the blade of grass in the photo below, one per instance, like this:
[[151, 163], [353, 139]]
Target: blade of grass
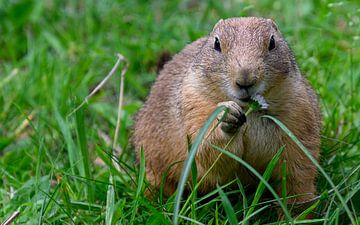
[[9, 77], [283, 182], [194, 185], [307, 211], [189, 219], [258, 175], [108, 159], [193, 195], [329, 209], [244, 198], [211, 202], [45, 201], [86, 206], [307, 153], [64, 193], [81, 138], [189, 160], [38, 163], [229, 210], [193, 192], [163, 178], [110, 202], [261, 187], [217, 214], [139, 185], [74, 157], [214, 192], [254, 213], [315, 221], [141, 178], [52, 199]]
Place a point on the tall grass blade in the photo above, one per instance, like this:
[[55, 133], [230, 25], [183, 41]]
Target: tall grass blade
[[194, 187], [243, 195], [140, 184], [229, 210], [65, 196], [38, 163], [307, 211], [196, 184], [107, 159], [283, 182], [141, 173], [110, 201], [307, 153], [188, 162], [81, 137], [74, 156], [261, 187], [254, 213], [52, 200]]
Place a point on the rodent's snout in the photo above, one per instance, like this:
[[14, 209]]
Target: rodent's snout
[[245, 78], [244, 85], [244, 89], [244, 82]]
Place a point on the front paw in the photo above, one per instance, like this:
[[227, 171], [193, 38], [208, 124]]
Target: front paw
[[234, 119]]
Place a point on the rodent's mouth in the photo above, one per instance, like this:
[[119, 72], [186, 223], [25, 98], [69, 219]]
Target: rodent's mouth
[[243, 101], [246, 99], [244, 96]]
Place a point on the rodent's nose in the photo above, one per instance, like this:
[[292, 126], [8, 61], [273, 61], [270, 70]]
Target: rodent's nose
[[245, 80], [244, 85]]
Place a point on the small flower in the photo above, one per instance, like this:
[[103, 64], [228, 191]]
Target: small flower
[[260, 100], [256, 102]]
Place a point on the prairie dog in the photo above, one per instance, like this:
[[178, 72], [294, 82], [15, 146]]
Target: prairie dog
[[240, 58]]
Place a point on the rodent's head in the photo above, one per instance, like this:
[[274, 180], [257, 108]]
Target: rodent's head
[[245, 56]]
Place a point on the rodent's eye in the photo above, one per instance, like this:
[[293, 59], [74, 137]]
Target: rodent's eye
[[272, 43], [217, 44]]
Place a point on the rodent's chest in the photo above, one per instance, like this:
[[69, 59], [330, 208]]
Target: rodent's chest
[[262, 140]]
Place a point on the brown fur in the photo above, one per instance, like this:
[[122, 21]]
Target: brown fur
[[199, 78]]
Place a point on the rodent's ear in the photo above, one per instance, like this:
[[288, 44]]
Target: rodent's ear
[[273, 24], [217, 24]]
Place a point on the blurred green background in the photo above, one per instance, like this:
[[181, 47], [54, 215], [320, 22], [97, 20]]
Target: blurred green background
[[53, 53]]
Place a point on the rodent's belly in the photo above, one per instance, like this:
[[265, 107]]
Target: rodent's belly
[[261, 142], [225, 172]]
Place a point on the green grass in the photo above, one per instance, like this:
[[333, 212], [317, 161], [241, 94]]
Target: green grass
[[55, 169]]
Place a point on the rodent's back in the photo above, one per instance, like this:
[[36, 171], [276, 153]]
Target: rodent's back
[[160, 118]]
